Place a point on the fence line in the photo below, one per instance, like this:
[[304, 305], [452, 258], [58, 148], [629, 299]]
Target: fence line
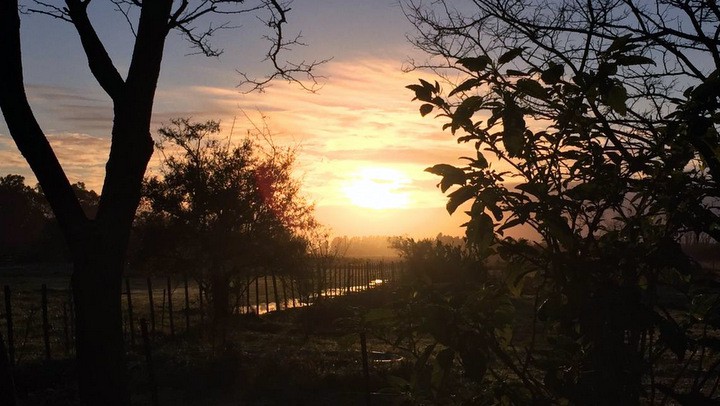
[[56, 334]]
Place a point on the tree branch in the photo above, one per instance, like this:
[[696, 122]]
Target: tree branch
[[26, 131], [285, 70], [99, 61]]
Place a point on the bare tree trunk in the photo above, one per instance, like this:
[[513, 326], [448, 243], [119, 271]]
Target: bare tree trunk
[[97, 286]]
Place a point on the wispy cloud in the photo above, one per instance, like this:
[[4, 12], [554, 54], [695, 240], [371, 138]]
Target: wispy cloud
[[362, 118], [66, 109], [82, 157]]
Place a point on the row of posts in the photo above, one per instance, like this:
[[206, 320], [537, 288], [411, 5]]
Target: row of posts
[[325, 283]]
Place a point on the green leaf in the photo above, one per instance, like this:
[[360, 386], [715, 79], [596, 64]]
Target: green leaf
[[469, 106], [465, 86], [510, 55], [475, 64], [427, 85], [460, 196], [481, 162], [616, 98], [479, 232], [559, 229], [630, 60], [516, 277], [510, 224], [514, 128], [451, 175], [496, 212], [421, 93], [535, 189], [464, 112], [532, 88], [444, 170], [425, 109], [515, 72], [552, 74], [606, 69], [618, 44]]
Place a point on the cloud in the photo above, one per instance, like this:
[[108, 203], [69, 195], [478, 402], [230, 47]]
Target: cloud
[[58, 94], [82, 157], [66, 109], [363, 117]]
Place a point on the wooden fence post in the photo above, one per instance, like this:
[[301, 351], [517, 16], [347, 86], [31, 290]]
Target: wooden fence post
[[368, 272], [170, 307], [201, 305], [257, 295], [267, 295], [337, 287], [356, 278], [248, 306], [46, 322], [162, 311], [7, 386], [131, 321], [275, 292], [187, 303], [71, 310], [292, 291], [66, 330], [148, 360], [347, 279], [365, 366], [10, 328], [356, 272], [151, 304]]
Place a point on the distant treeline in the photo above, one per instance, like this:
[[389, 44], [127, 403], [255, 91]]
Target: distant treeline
[[28, 230], [378, 246]]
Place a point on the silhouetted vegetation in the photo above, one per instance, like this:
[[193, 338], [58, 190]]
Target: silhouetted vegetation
[[98, 245], [595, 125], [223, 211], [29, 232]]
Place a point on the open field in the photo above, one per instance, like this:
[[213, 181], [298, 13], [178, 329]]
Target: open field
[[169, 314], [300, 356]]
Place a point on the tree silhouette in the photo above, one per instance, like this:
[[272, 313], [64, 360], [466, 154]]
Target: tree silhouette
[[22, 218], [28, 230], [98, 246], [593, 123], [223, 211]]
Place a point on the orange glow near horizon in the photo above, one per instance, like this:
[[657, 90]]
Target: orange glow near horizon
[[362, 145]]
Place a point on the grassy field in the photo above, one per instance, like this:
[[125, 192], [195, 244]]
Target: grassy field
[[25, 284], [299, 356]]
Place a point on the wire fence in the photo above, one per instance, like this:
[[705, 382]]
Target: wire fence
[[37, 320]]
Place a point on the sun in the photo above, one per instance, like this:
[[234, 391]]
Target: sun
[[378, 188]]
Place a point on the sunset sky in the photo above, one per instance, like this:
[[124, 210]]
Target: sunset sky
[[362, 143]]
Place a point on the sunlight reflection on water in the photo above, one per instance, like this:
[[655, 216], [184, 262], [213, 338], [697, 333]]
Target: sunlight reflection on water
[[298, 302]]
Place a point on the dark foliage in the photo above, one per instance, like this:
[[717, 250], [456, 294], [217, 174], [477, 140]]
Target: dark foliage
[[591, 124]]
